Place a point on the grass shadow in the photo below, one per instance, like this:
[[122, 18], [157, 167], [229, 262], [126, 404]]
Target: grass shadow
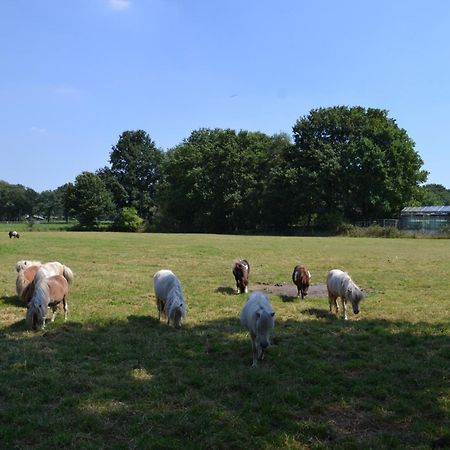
[[128, 378], [287, 298], [320, 313]]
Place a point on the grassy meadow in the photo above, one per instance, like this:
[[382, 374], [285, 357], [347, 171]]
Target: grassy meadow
[[113, 377]]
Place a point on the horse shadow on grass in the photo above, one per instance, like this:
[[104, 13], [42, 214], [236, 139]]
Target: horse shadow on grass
[[226, 290], [127, 378], [13, 300]]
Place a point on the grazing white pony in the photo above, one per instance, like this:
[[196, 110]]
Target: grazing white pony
[[169, 297], [257, 316], [339, 284], [48, 292]]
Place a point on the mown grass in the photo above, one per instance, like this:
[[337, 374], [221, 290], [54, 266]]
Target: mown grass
[[113, 377]]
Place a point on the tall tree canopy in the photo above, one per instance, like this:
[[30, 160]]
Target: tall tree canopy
[[89, 199], [354, 163], [214, 181], [16, 201], [135, 171]]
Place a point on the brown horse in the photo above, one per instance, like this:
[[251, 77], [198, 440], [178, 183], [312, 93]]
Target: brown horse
[[48, 293], [301, 278], [14, 234], [241, 271]]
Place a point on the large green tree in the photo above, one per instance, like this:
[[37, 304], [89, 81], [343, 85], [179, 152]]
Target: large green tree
[[89, 199], [134, 172], [353, 163], [16, 201], [434, 195], [214, 181]]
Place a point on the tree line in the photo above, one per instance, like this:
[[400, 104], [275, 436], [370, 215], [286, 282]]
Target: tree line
[[342, 164]]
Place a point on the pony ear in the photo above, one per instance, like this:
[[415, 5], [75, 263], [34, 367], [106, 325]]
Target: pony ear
[[272, 314]]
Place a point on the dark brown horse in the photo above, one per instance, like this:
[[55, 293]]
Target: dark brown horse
[[301, 278], [241, 271], [14, 234]]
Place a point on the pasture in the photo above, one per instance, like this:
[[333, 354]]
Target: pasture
[[113, 377]]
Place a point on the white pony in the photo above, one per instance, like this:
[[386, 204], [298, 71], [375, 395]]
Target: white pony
[[48, 292], [169, 297], [257, 316], [339, 284]]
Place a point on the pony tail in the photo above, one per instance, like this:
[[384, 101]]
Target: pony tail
[[68, 274]]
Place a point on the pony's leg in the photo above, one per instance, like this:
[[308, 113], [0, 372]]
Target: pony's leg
[[246, 289], [65, 308], [344, 308], [254, 351], [54, 310]]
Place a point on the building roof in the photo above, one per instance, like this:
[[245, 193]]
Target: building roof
[[427, 209]]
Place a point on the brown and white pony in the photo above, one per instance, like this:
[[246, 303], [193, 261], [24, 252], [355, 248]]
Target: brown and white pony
[[14, 234], [241, 271], [48, 292], [301, 277], [30, 272]]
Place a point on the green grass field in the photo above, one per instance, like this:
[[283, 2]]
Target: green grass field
[[113, 377]]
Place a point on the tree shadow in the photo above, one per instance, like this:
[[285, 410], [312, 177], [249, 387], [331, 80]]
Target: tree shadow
[[128, 378]]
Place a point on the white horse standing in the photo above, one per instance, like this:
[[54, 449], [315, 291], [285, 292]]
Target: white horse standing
[[339, 284], [169, 297], [257, 316], [48, 292]]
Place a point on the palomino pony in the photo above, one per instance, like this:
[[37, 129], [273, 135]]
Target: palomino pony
[[169, 297], [48, 292], [339, 284], [301, 277], [241, 271], [257, 316], [14, 234]]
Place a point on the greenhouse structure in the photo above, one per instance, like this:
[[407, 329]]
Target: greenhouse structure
[[427, 219]]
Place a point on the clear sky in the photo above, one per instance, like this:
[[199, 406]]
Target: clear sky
[[75, 74]]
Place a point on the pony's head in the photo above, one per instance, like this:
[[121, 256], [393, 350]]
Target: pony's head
[[36, 315], [264, 325], [355, 295], [175, 315]]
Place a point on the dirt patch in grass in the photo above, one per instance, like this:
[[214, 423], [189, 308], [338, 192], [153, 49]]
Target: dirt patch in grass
[[289, 290]]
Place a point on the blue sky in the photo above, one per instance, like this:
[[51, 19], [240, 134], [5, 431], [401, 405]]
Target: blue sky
[[75, 74]]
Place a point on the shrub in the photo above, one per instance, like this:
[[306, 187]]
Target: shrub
[[128, 220]]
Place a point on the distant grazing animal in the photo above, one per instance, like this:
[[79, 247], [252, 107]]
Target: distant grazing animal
[[339, 284], [48, 292], [14, 234], [241, 272], [169, 297], [301, 277], [257, 316]]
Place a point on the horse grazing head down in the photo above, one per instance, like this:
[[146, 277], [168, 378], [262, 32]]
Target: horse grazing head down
[[14, 234], [48, 292], [301, 277], [169, 297], [241, 271], [340, 284], [258, 317]]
